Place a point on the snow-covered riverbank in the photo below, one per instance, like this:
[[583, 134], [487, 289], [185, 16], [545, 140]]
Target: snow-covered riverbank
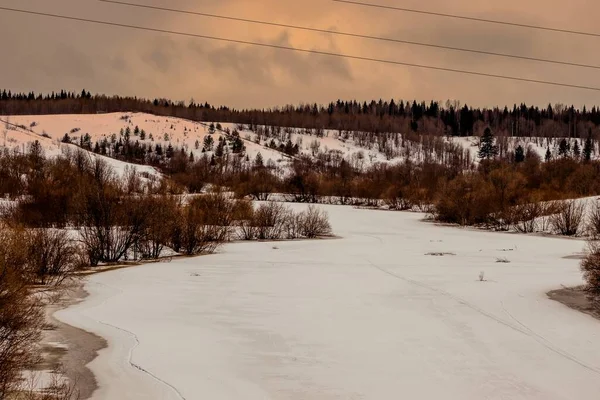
[[394, 309]]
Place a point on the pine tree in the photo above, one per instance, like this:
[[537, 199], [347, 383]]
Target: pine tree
[[576, 150], [197, 144], [211, 128], [136, 131], [519, 154], [487, 148], [587, 148], [220, 149], [564, 148], [548, 156], [208, 143], [170, 152], [258, 161], [143, 134]]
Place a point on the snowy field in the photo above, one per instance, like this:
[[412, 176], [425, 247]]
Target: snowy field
[[367, 316]]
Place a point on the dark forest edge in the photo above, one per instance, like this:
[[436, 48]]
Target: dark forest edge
[[433, 118]]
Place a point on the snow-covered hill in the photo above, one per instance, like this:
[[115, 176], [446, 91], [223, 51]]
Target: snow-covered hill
[[360, 149]]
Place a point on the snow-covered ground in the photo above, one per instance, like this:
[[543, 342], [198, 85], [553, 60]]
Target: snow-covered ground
[[367, 316]]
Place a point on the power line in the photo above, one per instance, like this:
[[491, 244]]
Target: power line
[[349, 34], [464, 17], [318, 52]]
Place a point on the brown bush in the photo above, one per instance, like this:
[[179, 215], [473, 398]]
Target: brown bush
[[51, 256], [466, 200], [395, 198], [590, 266], [525, 217], [200, 229], [269, 220], [20, 315], [314, 222], [567, 221], [594, 221], [158, 225]]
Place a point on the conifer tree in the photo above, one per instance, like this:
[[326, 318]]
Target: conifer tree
[[548, 156], [208, 143], [519, 154], [258, 161], [587, 148], [564, 148], [576, 150], [487, 148]]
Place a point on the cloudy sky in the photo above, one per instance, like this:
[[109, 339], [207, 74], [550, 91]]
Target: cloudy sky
[[44, 54]]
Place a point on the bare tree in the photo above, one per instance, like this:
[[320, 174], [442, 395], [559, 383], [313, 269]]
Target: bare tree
[[590, 266], [567, 221], [51, 256], [314, 222], [20, 315]]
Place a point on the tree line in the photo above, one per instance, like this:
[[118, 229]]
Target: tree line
[[433, 118]]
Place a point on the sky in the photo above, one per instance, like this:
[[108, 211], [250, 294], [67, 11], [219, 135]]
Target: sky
[[42, 54]]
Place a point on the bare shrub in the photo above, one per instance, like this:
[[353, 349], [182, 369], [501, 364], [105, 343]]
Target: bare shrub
[[567, 220], [158, 226], [526, 216], [590, 266], [58, 388], [292, 225], [51, 256], [395, 199], [594, 221], [200, 229], [269, 220], [314, 222], [548, 209], [20, 315], [245, 221]]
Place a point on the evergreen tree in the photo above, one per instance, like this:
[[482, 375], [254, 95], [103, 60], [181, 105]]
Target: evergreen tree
[[220, 149], [519, 154], [143, 134], [238, 145], [169, 152], [564, 148], [587, 148], [208, 143], [136, 131], [487, 148], [548, 156], [211, 128], [197, 144], [258, 161], [576, 150]]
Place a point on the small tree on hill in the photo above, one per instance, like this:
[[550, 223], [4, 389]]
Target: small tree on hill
[[564, 148], [258, 161], [576, 150], [548, 155], [587, 148], [487, 148], [220, 150], [208, 143], [519, 154]]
